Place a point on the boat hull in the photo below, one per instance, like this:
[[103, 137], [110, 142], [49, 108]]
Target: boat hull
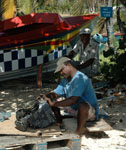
[[31, 40]]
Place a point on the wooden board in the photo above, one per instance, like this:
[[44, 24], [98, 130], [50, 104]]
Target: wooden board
[[14, 140], [100, 125], [8, 128]]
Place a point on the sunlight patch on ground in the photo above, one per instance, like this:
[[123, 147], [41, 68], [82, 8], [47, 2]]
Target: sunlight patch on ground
[[3, 92]]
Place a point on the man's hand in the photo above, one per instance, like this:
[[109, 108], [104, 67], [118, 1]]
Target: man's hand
[[44, 96], [86, 64], [47, 99], [38, 98], [72, 54]]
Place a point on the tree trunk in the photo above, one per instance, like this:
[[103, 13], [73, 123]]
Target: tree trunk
[[119, 21], [109, 26]]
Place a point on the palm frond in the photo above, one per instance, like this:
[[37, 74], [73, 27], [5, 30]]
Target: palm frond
[[8, 8], [48, 2], [100, 26], [78, 7], [26, 6]]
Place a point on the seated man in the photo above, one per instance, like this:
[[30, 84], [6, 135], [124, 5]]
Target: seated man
[[86, 52], [78, 92]]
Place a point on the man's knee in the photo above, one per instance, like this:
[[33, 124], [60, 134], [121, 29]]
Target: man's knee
[[87, 110], [84, 106]]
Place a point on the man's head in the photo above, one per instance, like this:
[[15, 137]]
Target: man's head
[[66, 67], [85, 34]]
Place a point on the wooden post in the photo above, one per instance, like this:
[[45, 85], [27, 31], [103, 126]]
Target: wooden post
[[42, 146], [40, 76], [74, 144]]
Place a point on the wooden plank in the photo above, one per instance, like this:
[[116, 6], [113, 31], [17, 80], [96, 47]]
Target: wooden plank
[[60, 148], [94, 126], [97, 126], [9, 141], [8, 128], [42, 146]]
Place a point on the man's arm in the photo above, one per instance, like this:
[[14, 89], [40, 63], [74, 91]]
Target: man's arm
[[52, 96], [72, 54], [67, 102], [86, 64]]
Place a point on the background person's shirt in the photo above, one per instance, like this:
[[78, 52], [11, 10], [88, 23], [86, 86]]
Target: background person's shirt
[[81, 86], [84, 54]]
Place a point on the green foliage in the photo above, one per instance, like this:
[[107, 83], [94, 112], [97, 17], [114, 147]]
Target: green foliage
[[123, 2], [109, 52], [122, 43], [25, 6], [55, 6], [114, 66], [123, 19]]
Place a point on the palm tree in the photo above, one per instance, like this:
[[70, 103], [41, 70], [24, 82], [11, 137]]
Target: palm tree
[[119, 21], [87, 7], [78, 7], [8, 9]]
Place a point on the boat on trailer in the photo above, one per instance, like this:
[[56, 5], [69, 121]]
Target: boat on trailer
[[38, 39]]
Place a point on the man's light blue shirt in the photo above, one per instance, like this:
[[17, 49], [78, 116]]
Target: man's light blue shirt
[[81, 86]]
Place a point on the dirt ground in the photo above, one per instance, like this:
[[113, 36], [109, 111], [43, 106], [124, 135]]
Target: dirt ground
[[15, 93]]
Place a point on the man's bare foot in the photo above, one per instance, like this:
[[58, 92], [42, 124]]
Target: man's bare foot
[[80, 132]]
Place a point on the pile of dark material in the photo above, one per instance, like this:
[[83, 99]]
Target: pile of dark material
[[36, 115]]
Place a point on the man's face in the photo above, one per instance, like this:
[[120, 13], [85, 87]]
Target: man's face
[[85, 38], [65, 71]]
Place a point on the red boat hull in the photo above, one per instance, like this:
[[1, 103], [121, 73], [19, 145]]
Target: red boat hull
[[39, 29]]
